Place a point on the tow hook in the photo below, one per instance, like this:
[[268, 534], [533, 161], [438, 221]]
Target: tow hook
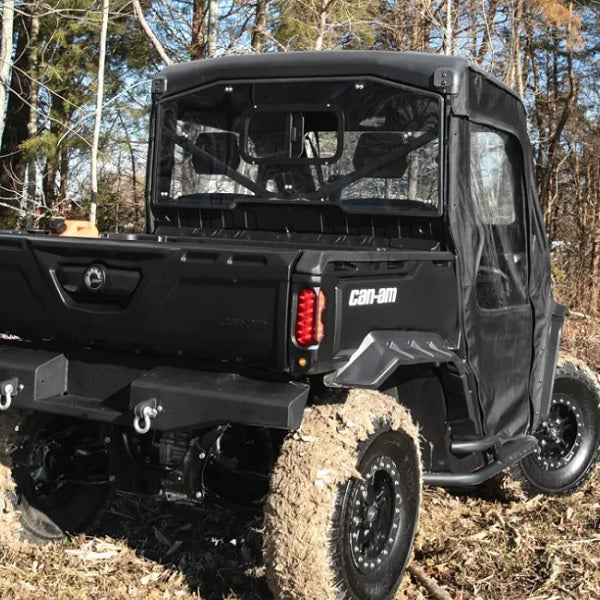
[[8, 389], [144, 413]]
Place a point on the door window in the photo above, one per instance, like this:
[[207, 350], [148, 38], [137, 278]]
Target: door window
[[497, 190]]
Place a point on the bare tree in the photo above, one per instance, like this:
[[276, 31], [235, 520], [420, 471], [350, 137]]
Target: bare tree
[[322, 22], [260, 26], [548, 175], [139, 13], [448, 33], [213, 22], [6, 47], [98, 118], [513, 74], [198, 45], [30, 196]]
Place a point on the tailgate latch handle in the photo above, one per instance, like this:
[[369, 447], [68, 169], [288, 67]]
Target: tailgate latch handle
[[144, 413], [8, 389]]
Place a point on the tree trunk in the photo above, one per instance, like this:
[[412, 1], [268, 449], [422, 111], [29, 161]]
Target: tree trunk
[[52, 164], [322, 27], [32, 127], [98, 119], [518, 51], [489, 16], [569, 103], [64, 179], [213, 22], [198, 46], [426, 24], [448, 33], [513, 74], [12, 159], [6, 47]]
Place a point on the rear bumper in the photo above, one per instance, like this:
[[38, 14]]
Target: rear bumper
[[185, 398]]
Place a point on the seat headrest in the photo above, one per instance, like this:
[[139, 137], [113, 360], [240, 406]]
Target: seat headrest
[[223, 146], [374, 145]]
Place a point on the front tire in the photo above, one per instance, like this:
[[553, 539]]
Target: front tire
[[569, 437], [342, 512], [61, 470]]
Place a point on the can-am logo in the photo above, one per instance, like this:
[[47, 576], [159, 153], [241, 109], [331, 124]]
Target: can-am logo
[[369, 296], [94, 278]]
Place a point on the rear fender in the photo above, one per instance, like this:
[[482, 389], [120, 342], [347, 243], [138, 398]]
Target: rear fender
[[426, 375], [381, 353]]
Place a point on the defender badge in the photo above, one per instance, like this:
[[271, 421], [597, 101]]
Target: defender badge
[[95, 278]]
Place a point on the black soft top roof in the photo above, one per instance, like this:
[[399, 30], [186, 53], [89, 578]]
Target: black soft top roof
[[476, 94], [412, 68]]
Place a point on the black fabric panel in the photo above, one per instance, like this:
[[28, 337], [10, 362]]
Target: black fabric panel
[[540, 293], [501, 364], [487, 104], [498, 342]]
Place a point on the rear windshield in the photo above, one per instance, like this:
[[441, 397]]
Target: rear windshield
[[364, 145]]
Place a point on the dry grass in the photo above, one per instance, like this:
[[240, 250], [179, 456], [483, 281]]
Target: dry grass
[[491, 545]]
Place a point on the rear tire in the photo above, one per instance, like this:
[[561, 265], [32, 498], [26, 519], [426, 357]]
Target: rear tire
[[61, 470], [570, 436], [342, 512]]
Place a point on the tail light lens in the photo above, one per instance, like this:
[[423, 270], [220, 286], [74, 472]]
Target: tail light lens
[[309, 317]]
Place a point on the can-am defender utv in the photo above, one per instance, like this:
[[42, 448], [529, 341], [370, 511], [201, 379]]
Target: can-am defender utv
[[338, 245]]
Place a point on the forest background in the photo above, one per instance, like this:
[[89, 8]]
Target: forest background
[[64, 141], [74, 102]]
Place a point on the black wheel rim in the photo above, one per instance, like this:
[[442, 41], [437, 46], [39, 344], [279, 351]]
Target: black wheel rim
[[375, 516], [561, 434]]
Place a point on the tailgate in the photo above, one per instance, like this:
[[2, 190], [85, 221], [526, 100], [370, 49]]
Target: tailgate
[[216, 301]]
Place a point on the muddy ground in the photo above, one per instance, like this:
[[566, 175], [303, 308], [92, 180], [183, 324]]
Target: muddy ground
[[493, 544]]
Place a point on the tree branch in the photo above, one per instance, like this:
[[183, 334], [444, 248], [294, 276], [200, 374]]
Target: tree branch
[[139, 13]]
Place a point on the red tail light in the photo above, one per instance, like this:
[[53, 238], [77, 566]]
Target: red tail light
[[309, 317]]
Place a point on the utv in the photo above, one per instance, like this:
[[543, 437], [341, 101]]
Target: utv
[[343, 292]]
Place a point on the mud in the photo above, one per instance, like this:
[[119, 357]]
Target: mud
[[565, 358]]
